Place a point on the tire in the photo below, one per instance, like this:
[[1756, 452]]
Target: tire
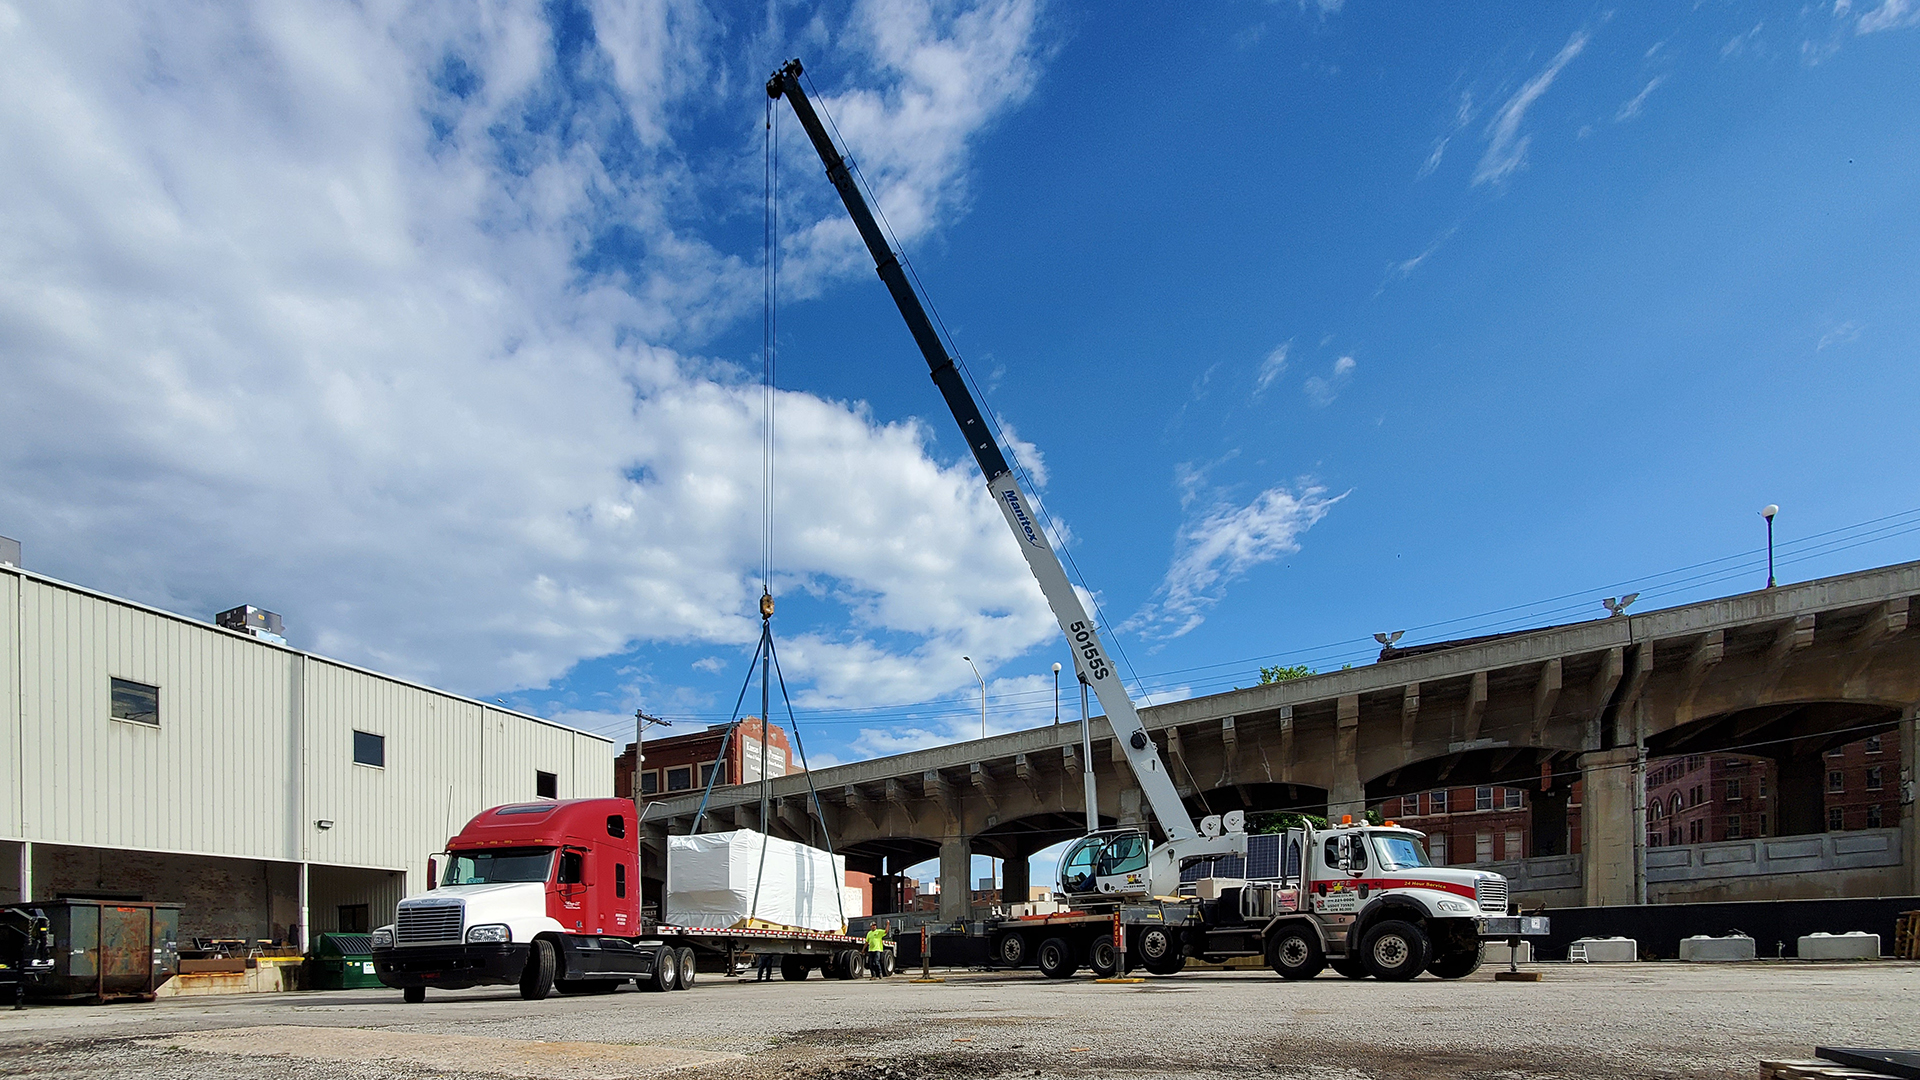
[[1055, 959], [1294, 952], [689, 969], [853, 963], [886, 964], [1352, 969], [536, 981], [1103, 958], [794, 968], [666, 971], [1160, 950], [1010, 950], [1395, 951], [1458, 964], [413, 995]]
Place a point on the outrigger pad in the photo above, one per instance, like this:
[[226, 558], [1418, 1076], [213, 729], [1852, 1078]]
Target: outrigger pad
[[1901, 1063]]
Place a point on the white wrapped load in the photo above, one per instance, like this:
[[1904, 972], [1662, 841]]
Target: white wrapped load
[[710, 882]]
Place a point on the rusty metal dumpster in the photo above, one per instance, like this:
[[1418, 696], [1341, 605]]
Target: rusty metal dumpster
[[108, 950]]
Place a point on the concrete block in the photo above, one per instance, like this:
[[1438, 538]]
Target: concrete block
[[1853, 946], [1608, 950], [1717, 950], [1497, 953]]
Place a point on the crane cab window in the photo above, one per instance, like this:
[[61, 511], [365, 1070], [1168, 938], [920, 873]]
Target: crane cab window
[[1124, 855], [1076, 870]]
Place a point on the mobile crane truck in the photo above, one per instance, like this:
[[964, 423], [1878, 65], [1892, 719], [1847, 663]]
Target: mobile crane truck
[[547, 895], [1361, 898]]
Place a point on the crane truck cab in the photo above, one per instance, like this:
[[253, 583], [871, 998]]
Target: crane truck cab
[[1366, 900]]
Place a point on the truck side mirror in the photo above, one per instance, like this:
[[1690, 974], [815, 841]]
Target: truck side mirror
[[1343, 859], [570, 863], [433, 874]]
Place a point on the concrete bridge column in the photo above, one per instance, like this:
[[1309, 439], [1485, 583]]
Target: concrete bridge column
[[956, 886], [1801, 806], [1550, 818], [1607, 798], [1909, 780], [1015, 873], [1348, 794]]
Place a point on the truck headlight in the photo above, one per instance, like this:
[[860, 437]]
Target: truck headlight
[[1455, 905], [492, 933], [383, 938]]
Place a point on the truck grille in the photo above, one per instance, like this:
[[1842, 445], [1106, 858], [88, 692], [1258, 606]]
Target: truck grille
[[1492, 895], [426, 922]]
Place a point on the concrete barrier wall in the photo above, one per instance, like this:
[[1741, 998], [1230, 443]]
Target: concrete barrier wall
[[1776, 926]]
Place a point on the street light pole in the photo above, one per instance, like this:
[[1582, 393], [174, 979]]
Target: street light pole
[[1767, 512], [983, 695], [1056, 693]]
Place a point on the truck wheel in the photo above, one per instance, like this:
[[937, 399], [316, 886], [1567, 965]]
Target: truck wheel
[[1352, 969], [793, 968], [689, 969], [1103, 958], [1395, 951], [1010, 949], [1459, 963], [413, 995], [1295, 953], [886, 964], [853, 963], [666, 971], [536, 982], [1160, 951], [1055, 958]]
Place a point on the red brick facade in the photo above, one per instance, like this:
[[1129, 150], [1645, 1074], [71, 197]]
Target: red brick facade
[[1488, 823], [683, 763], [1863, 784]]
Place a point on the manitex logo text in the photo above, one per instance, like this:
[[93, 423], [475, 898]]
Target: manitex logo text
[[1020, 515]]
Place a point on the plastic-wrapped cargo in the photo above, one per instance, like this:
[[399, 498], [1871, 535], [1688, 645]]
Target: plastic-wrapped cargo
[[710, 882]]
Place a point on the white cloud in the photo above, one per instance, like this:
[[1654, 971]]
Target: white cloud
[[1844, 333], [1218, 544], [301, 306], [1631, 108], [1890, 15], [1740, 43], [1271, 368], [1506, 147], [1322, 390]]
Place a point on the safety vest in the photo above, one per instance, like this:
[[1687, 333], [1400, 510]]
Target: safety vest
[[876, 939]]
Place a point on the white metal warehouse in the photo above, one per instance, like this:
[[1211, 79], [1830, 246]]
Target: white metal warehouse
[[273, 793]]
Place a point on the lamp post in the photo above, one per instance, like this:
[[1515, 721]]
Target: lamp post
[[1767, 512], [983, 695], [1056, 693]]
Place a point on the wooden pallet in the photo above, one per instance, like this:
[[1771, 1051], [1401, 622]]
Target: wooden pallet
[[1906, 936], [1814, 1070]]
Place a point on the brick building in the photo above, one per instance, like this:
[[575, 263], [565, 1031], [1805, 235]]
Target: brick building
[[1490, 823], [1863, 784], [1705, 798], [686, 762]]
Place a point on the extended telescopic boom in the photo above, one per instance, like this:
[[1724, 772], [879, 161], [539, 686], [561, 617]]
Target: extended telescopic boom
[[1095, 668]]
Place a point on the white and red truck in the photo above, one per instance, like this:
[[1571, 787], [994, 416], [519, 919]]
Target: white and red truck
[[547, 895]]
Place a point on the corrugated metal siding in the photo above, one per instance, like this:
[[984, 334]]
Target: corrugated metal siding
[[329, 888], [255, 743]]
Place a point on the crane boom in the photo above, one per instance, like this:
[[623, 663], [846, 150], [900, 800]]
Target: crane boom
[[1090, 653]]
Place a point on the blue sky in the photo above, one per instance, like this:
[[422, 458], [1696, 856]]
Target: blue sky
[[437, 329]]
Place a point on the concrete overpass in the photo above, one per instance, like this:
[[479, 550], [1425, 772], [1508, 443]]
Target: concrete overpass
[[1784, 673]]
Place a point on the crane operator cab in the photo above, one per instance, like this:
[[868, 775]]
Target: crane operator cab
[[1112, 861]]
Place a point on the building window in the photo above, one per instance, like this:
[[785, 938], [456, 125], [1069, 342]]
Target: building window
[[546, 785], [650, 782], [1695, 831], [1873, 778], [1513, 849], [1653, 839], [1733, 791], [1437, 848], [1437, 802], [1760, 786], [1733, 827], [136, 702], [351, 919], [1483, 798], [1513, 798], [1483, 847], [1873, 816], [706, 775], [1673, 806], [1836, 781], [1836, 819], [369, 749], [1410, 806], [680, 779], [1763, 824], [1673, 835], [1873, 744]]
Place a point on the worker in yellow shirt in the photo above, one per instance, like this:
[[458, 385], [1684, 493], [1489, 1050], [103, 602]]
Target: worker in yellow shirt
[[876, 951]]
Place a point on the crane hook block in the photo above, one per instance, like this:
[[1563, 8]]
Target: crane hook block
[[766, 605]]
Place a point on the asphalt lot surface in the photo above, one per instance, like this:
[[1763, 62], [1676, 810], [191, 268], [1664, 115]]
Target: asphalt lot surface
[[1643, 1020]]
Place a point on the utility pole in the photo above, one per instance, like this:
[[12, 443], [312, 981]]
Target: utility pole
[[640, 722]]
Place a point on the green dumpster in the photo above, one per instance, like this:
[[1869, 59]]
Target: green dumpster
[[345, 962]]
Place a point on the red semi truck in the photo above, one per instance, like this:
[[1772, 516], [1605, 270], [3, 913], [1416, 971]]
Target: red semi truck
[[547, 895]]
